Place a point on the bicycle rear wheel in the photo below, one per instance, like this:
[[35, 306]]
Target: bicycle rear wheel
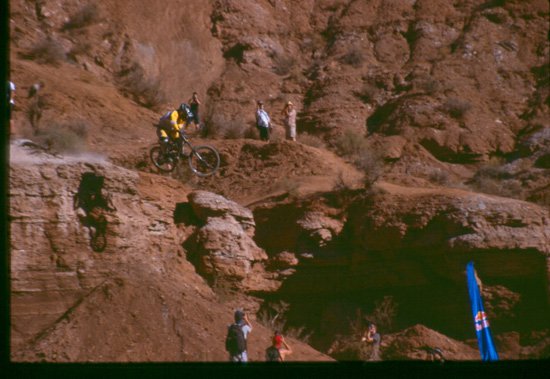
[[161, 161], [204, 160]]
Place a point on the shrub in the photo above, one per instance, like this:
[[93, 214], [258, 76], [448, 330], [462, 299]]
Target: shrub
[[311, 140], [145, 91], [350, 144], [429, 85], [456, 108], [67, 137], [219, 126], [354, 57], [85, 16], [495, 179], [368, 93], [283, 63], [439, 176], [79, 48], [47, 51], [372, 164], [384, 313], [273, 317]]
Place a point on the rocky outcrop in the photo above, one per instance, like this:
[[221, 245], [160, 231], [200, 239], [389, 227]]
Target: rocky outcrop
[[223, 248], [415, 342], [454, 220]]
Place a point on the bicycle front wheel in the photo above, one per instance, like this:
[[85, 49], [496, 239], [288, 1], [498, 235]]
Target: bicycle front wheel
[[204, 160], [161, 161]]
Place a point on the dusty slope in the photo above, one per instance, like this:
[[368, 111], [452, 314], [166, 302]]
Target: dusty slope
[[139, 300]]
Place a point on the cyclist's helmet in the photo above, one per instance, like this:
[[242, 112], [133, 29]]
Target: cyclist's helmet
[[184, 110]]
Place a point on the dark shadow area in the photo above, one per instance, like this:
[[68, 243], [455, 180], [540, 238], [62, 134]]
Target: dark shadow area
[[236, 52], [183, 214], [94, 204], [445, 154]]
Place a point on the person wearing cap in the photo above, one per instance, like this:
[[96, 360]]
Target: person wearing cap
[[276, 352], [263, 122], [242, 322], [289, 114]]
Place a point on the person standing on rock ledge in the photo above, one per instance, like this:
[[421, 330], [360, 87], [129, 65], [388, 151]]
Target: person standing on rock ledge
[[237, 334], [263, 122], [194, 103], [289, 114]]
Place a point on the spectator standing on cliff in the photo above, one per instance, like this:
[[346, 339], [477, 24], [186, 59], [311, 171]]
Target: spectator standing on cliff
[[37, 104], [289, 114], [263, 122], [371, 336], [276, 352], [237, 335], [194, 103], [11, 100]]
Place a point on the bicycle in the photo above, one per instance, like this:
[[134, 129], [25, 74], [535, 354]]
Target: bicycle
[[203, 160]]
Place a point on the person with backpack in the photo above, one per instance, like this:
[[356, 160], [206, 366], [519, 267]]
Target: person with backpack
[[237, 334], [172, 123], [276, 352], [263, 122]]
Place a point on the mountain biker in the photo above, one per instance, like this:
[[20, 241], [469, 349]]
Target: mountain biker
[[172, 124]]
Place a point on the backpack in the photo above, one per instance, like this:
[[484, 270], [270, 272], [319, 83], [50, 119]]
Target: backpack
[[235, 343], [162, 120], [272, 354]]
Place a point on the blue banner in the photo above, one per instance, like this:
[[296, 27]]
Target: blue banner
[[484, 339]]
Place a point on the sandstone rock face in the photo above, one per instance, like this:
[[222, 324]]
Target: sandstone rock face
[[207, 204], [465, 222], [138, 300], [319, 227], [223, 246], [53, 268]]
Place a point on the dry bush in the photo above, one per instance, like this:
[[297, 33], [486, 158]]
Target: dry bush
[[495, 179], [273, 317], [67, 137], [368, 93], [80, 48], [372, 165], [353, 57], [429, 85], [456, 108], [283, 64], [311, 140], [299, 333], [47, 51], [145, 91], [220, 126], [85, 16], [350, 144], [439, 176], [384, 313]]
